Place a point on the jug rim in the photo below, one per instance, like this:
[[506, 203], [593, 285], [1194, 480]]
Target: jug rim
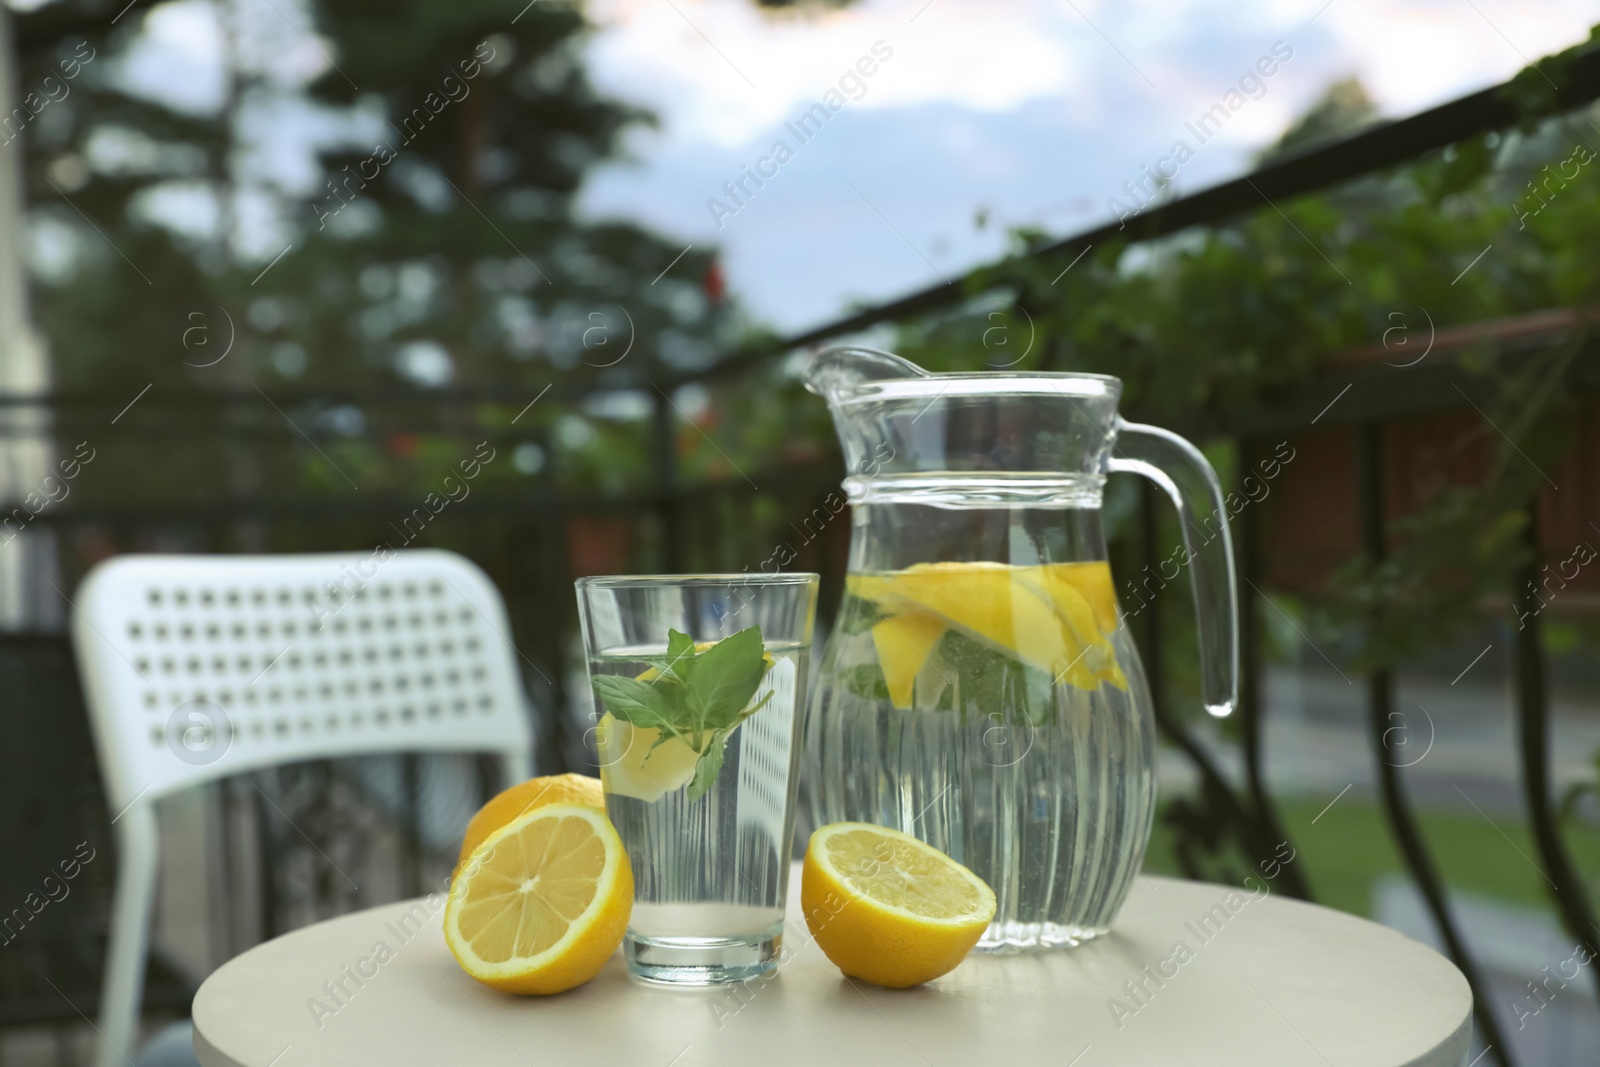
[[984, 383]]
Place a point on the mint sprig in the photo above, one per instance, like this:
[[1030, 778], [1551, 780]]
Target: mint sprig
[[698, 697]]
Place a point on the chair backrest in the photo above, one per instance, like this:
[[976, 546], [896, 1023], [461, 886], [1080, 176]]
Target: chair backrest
[[198, 667]]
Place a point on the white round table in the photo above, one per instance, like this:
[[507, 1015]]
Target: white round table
[[1192, 974]]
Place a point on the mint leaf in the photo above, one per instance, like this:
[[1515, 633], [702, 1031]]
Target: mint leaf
[[858, 615], [667, 733], [676, 665], [662, 666], [708, 766], [747, 712], [865, 681], [680, 655], [631, 700], [696, 697], [725, 677], [989, 682]]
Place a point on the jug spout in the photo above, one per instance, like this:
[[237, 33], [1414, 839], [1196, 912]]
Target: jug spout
[[837, 370]]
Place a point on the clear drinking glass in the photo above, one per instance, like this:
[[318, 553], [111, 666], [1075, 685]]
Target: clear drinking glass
[[687, 670]]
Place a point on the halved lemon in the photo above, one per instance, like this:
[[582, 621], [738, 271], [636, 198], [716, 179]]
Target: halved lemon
[[888, 908], [543, 903], [524, 797]]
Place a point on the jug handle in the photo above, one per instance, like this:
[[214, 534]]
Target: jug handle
[[1179, 467]]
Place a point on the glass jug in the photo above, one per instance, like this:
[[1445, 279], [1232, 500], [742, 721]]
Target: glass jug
[[979, 688]]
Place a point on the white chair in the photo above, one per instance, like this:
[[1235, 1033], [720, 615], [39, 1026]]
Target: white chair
[[199, 667]]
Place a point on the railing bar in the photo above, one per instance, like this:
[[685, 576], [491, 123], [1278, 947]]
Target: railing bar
[[221, 875], [1396, 806], [1214, 786], [1566, 884], [1252, 712], [557, 556], [1150, 652], [395, 507], [268, 862], [668, 506], [410, 824]]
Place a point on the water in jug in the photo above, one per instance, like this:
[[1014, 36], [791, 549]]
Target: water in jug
[[979, 688]]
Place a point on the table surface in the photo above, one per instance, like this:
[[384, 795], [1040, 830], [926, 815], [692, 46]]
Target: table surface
[[1234, 977]]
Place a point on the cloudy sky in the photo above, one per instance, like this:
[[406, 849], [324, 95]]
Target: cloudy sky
[[1027, 112]]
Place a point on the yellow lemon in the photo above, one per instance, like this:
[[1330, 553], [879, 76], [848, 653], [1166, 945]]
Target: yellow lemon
[[904, 643], [988, 601], [886, 908], [543, 903], [1056, 617], [635, 762], [1064, 585], [524, 797], [1093, 580], [632, 764]]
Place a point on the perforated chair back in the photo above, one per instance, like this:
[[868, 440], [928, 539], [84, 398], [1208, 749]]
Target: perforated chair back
[[200, 667]]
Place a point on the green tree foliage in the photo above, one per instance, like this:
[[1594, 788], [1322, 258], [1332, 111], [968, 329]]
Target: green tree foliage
[[439, 249], [108, 282], [1344, 108]]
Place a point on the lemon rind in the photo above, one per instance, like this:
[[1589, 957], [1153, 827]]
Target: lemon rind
[[523, 966]]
